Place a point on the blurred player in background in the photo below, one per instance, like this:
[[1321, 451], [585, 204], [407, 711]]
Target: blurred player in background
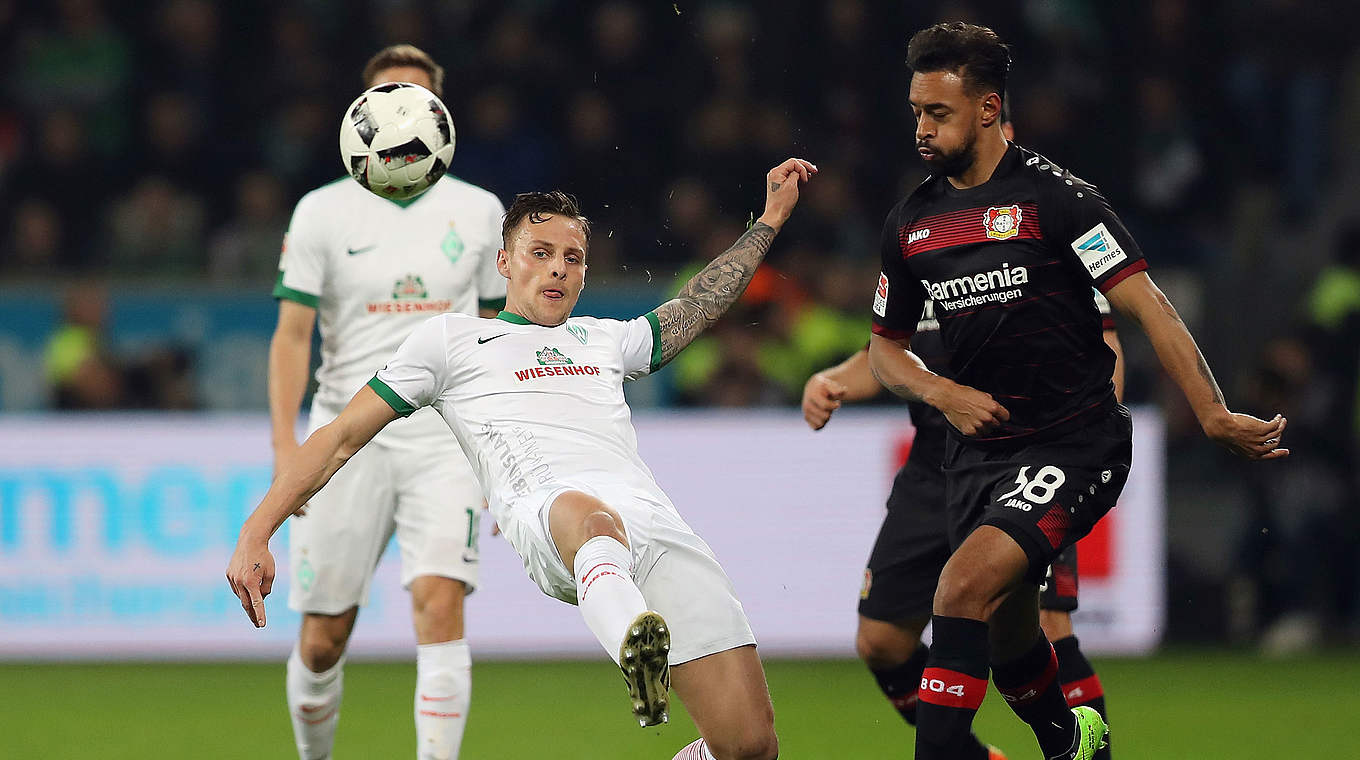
[[1007, 246], [913, 541], [374, 269], [535, 397]]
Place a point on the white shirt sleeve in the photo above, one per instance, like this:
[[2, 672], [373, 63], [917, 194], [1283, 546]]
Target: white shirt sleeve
[[416, 374], [490, 284], [302, 264], [640, 345]]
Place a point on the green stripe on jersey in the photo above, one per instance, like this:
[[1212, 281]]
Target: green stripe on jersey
[[513, 318], [287, 293], [656, 341], [398, 404]]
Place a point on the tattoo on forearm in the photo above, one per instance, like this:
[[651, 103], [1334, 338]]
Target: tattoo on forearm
[[896, 388], [1209, 378], [712, 291]]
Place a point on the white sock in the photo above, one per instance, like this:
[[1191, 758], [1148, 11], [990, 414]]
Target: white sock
[[443, 691], [314, 706], [695, 750], [605, 591]]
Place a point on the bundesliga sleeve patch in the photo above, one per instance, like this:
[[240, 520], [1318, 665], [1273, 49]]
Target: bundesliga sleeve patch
[[881, 296], [1098, 250]]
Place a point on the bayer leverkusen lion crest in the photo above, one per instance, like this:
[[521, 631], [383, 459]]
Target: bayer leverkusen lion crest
[[1002, 222]]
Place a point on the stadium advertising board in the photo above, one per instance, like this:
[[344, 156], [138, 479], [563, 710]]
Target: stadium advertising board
[[115, 532]]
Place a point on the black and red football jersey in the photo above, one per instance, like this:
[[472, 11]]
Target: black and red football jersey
[[1009, 266]]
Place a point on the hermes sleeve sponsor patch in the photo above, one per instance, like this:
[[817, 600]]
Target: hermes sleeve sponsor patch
[[1098, 250]]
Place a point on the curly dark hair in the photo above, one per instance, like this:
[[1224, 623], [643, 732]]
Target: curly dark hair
[[973, 52], [534, 205]]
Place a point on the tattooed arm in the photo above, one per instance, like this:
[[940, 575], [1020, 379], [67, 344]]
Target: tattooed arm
[[1141, 300], [710, 293]]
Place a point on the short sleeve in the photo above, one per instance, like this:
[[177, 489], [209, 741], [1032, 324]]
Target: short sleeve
[[640, 346], [302, 263], [1089, 231], [1106, 315], [415, 375], [899, 298], [490, 283]]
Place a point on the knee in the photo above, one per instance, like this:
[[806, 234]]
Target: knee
[[601, 522], [881, 650], [437, 608], [1057, 625], [320, 650], [964, 594], [755, 745]]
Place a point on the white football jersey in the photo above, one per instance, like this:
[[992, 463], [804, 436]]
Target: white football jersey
[[374, 269], [533, 407]]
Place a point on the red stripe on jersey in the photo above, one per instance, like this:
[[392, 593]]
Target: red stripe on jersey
[[1064, 581], [1123, 274], [892, 334], [1106, 322], [1054, 524], [950, 688], [965, 227], [1083, 691]]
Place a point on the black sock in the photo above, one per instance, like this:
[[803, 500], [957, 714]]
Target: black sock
[[900, 685], [1080, 684], [1030, 686], [952, 687]]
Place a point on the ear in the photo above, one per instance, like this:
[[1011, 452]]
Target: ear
[[990, 109], [503, 263]]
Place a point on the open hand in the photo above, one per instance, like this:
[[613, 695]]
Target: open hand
[[1248, 436]]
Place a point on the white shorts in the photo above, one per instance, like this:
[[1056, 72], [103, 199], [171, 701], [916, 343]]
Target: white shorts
[[420, 487], [676, 571]]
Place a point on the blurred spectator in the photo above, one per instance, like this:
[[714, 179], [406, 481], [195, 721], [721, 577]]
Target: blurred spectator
[[156, 228], [80, 372], [35, 243], [247, 247], [63, 172]]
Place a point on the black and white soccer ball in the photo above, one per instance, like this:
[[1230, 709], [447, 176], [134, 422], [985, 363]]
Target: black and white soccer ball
[[396, 139]]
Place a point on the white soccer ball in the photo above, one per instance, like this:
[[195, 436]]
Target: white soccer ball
[[396, 139]]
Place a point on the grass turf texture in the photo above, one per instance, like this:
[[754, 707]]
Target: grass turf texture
[[1206, 704]]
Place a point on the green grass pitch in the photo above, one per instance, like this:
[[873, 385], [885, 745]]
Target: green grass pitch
[[1201, 704]]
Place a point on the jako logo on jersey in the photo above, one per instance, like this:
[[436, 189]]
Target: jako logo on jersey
[[881, 296], [916, 235], [982, 282], [1098, 250], [1002, 222]]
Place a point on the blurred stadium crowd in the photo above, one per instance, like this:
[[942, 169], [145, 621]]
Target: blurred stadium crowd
[[166, 140]]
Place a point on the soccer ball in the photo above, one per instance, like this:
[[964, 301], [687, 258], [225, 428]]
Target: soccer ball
[[396, 140]]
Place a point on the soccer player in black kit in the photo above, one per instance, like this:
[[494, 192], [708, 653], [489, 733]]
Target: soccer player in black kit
[[1007, 245]]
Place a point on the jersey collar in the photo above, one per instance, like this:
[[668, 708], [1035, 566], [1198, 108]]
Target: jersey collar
[[513, 318]]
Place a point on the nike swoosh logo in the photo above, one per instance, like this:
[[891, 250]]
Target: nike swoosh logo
[[365, 249], [480, 341]]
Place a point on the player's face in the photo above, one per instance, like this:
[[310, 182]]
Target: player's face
[[410, 74], [546, 268], [947, 122]]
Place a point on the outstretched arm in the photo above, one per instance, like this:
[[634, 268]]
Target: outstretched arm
[[251, 570], [709, 294], [1140, 299]]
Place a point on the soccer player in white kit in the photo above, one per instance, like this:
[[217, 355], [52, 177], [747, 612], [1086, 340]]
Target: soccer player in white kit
[[535, 398], [372, 270]]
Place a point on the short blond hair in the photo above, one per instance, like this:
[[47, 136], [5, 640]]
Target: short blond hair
[[405, 55]]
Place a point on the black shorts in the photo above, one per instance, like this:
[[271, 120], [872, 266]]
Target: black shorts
[[1059, 589], [911, 549], [913, 546], [1045, 495]]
